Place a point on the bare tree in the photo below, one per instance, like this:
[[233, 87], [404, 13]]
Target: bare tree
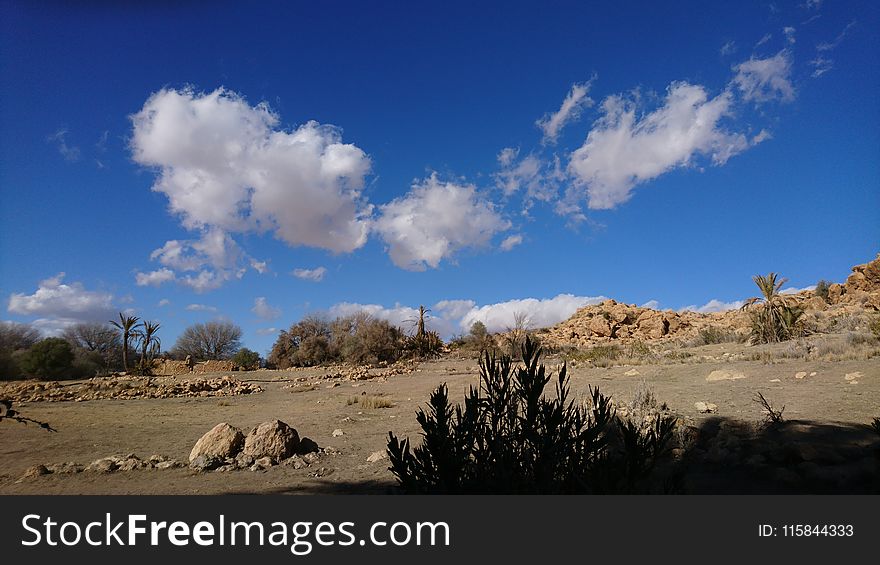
[[211, 340], [15, 336], [93, 336]]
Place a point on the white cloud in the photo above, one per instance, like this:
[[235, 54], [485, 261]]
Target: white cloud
[[767, 37], [572, 106], [449, 317], [539, 313], [70, 153], [264, 310], [434, 220], [714, 305], [762, 135], [267, 331], [58, 300], [826, 46], [795, 290], [227, 167], [200, 308], [164, 302], [821, 65], [402, 316], [155, 278], [789, 34], [652, 304], [623, 149], [763, 80], [261, 267], [510, 242], [314, 275], [813, 4], [728, 48], [61, 305]]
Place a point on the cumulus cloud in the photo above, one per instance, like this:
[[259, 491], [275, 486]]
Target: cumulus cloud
[[434, 220], [155, 278], [208, 262], [264, 310], [70, 153], [653, 304], [714, 305], [164, 302], [510, 242], [538, 313], [763, 80], [200, 308], [267, 331], [624, 149], [572, 106], [400, 316], [795, 290], [314, 275], [227, 167], [61, 305], [449, 317]]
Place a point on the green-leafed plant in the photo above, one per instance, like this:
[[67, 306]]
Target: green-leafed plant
[[127, 325], [51, 358], [246, 359], [511, 437], [149, 344], [821, 289], [773, 318]]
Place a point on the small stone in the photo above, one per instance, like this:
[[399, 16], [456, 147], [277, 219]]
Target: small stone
[[775, 381], [204, 463], [168, 464], [65, 468], [330, 450], [853, 376], [724, 375], [131, 464], [106, 465], [296, 462], [273, 439], [813, 374], [220, 441], [322, 472], [264, 462], [311, 458], [243, 460], [338, 432], [377, 456], [632, 373], [35, 471], [800, 374], [705, 407]]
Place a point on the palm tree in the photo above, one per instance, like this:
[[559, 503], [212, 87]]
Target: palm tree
[[128, 326], [776, 319], [149, 344]]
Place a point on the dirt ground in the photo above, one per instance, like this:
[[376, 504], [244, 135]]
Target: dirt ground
[[837, 401]]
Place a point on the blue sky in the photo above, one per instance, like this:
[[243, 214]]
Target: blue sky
[[187, 160]]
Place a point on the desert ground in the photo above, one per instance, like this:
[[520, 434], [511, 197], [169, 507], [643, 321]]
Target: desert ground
[[824, 445]]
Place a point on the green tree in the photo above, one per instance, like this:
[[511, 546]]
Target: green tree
[[246, 359], [773, 318], [51, 358], [149, 344]]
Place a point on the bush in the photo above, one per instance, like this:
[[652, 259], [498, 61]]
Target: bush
[[511, 438], [874, 326], [246, 359], [821, 289], [51, 358], [712, 335], [15, 340]]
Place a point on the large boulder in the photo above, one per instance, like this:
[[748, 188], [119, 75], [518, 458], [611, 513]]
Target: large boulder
[[273, 439], [599, 326], [221, 442]]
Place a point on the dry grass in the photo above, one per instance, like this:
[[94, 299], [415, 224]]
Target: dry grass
[[370, 401]]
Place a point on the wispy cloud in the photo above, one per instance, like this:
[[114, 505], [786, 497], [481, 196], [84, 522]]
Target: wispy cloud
[[200, 308], [572, 106], [71, 153], [314, 275], [264, 310]]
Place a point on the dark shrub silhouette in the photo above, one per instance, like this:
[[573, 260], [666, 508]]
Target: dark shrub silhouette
[[512, 438], [51, 358]]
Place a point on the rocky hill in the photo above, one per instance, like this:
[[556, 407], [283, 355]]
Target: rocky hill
[[614, 321]]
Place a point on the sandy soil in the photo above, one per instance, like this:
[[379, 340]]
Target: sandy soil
[[94, 429]]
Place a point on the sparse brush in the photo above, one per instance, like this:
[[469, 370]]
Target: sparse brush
[[773, 417], [821, 289], [875, 425], [874, 326], [7, 412], [712, 335], [510, 437], [370, 402]]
